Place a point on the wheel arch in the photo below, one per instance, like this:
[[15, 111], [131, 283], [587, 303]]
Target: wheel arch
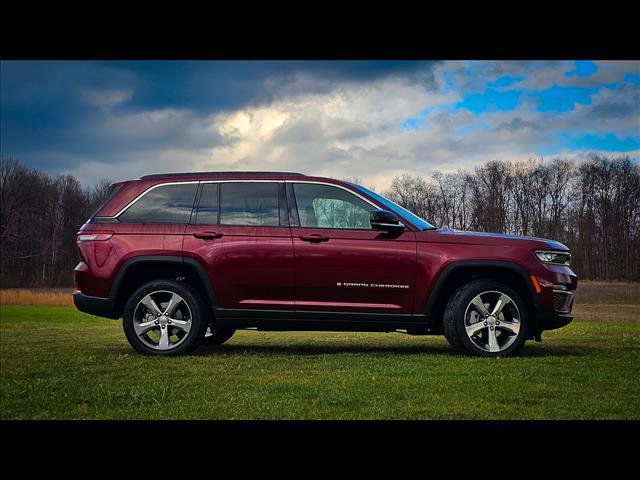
[[139, 270], [457, 273]]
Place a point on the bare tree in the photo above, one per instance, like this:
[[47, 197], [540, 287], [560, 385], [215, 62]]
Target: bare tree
[[592, 206]]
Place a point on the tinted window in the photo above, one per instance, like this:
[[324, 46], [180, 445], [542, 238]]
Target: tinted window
[[324, 206], [166, 204], [208, 208], [394, 207], [113, 189], [249, 203]]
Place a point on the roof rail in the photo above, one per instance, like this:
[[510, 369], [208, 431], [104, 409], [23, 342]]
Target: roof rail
[[226, 173]]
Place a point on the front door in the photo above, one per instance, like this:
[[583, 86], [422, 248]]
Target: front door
[[341, 264], [240, 232]]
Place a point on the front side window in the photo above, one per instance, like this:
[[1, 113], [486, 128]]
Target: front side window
[[325, 206], [249, 203], [164, 204]]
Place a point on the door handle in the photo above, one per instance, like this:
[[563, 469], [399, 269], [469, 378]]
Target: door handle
[[207, 235], [314, 238]]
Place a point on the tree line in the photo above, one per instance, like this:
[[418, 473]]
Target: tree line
[[591, 206], [40, 215]]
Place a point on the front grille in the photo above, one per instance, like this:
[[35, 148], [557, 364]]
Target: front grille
[[562, 301]]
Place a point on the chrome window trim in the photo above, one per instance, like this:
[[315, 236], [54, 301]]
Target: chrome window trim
[[376, 207], [153, 187], [313, 182]]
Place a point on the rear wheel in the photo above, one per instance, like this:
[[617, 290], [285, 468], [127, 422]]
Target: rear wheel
[[164, 318], [486, 318]]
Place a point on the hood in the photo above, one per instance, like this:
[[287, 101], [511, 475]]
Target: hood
[[484, 238]]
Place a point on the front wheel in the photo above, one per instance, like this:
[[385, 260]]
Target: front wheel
[[486, 318], [164, 318]]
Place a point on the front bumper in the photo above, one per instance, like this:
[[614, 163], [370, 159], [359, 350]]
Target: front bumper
[[551, 320], [554, 302], [99, 306]]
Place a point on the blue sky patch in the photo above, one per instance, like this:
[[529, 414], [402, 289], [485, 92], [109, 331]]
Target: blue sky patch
[[583, 68], [491, 100], [563, 99], [632, 78], [606, 142]]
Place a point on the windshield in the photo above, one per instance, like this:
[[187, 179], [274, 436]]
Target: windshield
[[397, 209]]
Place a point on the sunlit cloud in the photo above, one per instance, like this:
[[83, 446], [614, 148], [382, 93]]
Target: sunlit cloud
[[369, 120]]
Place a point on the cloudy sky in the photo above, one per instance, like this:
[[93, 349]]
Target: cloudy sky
[[370, 120]]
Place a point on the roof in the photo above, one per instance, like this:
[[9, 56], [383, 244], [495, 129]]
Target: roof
[[219, 174]]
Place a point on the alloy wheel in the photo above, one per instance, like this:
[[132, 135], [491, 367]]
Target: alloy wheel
[[162, 320], [492, 321]]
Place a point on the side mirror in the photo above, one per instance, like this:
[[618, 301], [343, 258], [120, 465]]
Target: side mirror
[[385, 220]]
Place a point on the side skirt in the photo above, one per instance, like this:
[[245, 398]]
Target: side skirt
[[287, 320]]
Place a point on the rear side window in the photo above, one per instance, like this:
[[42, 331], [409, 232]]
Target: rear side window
[[248, 203], [164, 204]]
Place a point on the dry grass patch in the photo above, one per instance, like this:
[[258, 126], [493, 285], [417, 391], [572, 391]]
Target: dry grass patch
[[37, 296], [602, 312], [590, 292]]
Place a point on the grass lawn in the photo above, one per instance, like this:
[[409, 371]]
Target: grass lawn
[[57, 363]]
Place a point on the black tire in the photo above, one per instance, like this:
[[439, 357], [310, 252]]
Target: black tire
[[188, 341], [454, 318], [217, 336]]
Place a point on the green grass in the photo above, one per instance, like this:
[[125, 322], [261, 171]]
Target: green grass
[[56, 363]]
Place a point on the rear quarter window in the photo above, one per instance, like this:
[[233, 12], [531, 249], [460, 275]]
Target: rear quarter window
[[163, 204]]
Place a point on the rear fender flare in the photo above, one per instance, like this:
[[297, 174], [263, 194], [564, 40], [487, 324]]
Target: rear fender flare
[[165, 259]]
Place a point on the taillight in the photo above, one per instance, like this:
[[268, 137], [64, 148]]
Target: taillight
[[94, 236]]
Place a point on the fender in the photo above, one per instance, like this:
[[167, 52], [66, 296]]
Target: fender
[[457, 265], [166, 259]]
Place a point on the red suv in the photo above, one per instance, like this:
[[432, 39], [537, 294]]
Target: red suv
[[191, 257]]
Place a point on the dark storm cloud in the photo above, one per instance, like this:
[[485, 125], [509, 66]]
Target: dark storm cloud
[[68, 106]]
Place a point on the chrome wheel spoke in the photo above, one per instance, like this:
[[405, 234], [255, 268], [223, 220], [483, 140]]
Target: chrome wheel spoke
[[475, 328], [493, 340], [163, 344], [151, 305], [480, 308], [500, 304], [144, 327], [172, 305], [511, 327], [183, 325]]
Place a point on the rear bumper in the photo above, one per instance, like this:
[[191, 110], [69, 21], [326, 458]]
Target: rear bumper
[[101, 307]]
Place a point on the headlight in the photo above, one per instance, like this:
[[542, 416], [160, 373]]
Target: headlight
[[553, 257]]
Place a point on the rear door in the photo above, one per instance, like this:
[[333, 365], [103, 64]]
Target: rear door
[[240, 232], [341, 264], [154, 224]]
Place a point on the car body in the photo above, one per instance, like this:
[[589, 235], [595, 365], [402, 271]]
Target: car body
[[286, 251]]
